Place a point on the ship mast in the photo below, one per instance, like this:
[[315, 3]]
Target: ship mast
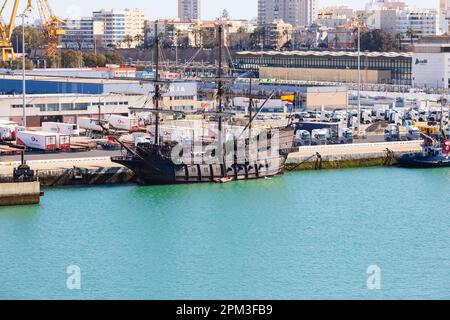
[[220, 91], [157, 96]]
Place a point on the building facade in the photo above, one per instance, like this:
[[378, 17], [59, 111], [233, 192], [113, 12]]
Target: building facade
[[431, 63], [385, 67], [189, 10], [294, 12], [122, 28]]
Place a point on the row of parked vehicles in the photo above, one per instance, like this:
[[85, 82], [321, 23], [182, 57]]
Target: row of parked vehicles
[[321, 133]]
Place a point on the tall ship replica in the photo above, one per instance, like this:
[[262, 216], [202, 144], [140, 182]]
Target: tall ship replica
[[254, 153]]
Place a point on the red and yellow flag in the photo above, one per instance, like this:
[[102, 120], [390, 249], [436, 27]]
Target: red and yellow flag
[[288, 98]]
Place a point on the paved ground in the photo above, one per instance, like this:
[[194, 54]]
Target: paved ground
[[63, 155]]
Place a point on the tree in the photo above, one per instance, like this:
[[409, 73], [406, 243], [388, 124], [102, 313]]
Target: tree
[[34, 39], [113, 57], [94, 60], [72, 59], [377, 40], [139, 38], [225, 14], [411, 34], [128, 40]]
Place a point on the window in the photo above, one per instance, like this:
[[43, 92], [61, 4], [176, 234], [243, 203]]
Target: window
[[52, 107], [81, 106], [66, 106]]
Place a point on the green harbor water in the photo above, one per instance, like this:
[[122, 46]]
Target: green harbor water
[[308, 235]]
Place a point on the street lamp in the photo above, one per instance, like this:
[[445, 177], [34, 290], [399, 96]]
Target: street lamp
[[24, 86]]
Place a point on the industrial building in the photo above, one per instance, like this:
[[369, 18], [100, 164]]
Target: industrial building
[[431, 63], [377, 67], [64, 99]]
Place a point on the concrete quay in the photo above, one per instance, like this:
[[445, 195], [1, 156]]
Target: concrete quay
[[351, 155], [68, 172], [101, 171], [20, 193]]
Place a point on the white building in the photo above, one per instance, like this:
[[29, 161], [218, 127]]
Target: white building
[[120, 24], [84, 33], [431, 65], [295, 12], [189, 10], [423, 22]]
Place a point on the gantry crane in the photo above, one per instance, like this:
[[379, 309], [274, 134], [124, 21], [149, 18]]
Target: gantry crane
[[50, 23]]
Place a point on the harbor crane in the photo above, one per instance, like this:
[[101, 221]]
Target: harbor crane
[[51, 24]]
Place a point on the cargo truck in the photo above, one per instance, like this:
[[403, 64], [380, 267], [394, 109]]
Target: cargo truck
[[37, 140], [92, 124], [333, 128], [123, 123], [62, 128], [320, 137], [413, 133], [392, 133], [302, 138]]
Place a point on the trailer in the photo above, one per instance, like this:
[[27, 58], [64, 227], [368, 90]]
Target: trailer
[[123, 123], [37, 140], [62, 141], [62, 128], [7, 133], [91, 124]]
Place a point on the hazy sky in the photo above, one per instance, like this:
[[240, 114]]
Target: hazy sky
[[211, 8]]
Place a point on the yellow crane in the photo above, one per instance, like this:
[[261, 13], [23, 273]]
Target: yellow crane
[[52, 27], [7, 27], [51, 24]]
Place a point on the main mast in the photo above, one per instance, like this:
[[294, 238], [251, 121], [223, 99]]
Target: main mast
[[220, 92], [157, 96]]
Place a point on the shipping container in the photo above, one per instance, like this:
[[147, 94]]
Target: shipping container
[[123, 123], [37, 140], [62, 141], [62, 128]]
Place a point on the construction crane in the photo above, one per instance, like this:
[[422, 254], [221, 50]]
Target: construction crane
[[7, 27], [52, 26]]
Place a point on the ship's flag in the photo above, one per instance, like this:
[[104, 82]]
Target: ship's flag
[[288, 98]]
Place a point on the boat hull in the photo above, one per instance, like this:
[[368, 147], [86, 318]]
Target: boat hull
[[418, 161]]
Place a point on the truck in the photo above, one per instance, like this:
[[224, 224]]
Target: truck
[[7, 132], [37, 140], [123, 123], [320, 137], [392, 133], [63, 128], [345, 136], [366, 117], [333, 128], [413, 133], [62, 141], [92, 124], [302, 138]]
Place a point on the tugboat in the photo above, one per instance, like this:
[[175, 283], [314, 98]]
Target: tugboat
[[153, 162], [435, 154]]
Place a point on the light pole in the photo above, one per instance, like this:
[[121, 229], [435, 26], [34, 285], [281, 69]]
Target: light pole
[[24, 85], [359, 78]]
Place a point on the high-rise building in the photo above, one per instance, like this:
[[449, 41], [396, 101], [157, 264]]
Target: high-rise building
[[189, 9], [295, 12], [118, 25]]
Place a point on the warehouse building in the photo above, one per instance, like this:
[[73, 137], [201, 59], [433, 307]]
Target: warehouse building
[[377, 67], [65, 99]]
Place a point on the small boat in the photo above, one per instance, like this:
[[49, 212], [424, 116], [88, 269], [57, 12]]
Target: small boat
[[224, 180], [435, 154]]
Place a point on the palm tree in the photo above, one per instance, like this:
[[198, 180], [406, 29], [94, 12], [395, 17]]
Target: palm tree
[[128, 40], [411, 34], [139, 38]]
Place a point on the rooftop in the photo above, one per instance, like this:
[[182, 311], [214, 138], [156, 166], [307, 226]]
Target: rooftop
[[326, 53]]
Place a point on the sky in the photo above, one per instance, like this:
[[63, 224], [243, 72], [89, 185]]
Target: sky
[[245, 9]]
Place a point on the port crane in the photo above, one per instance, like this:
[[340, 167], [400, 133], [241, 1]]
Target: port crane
[[52, 27]]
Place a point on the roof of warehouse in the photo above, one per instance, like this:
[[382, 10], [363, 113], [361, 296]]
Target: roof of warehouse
[[65, 79], [326, 53]]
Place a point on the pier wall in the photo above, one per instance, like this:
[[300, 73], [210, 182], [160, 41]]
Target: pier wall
[[351, 156], [14, 193]]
